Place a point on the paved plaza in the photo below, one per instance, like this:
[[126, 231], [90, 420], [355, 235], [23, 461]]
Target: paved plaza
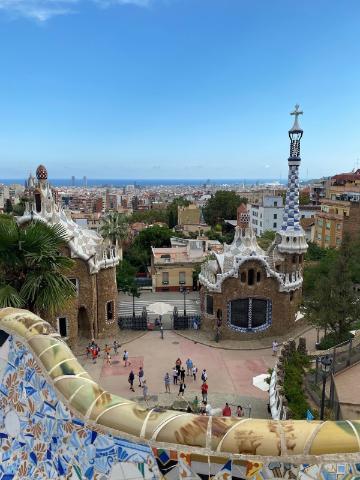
[[230, 372]]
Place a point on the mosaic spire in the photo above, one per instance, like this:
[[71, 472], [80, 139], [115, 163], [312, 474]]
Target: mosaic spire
[[291, 219]]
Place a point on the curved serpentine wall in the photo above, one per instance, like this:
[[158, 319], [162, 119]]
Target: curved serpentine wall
[[56, 422]]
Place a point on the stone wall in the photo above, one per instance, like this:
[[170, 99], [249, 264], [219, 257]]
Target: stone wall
[[284, 304]]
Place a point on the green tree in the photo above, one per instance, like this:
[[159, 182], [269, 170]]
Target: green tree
[[8, 207], [266, 239], [126, 281], [149, 216], [223, 205], [333, 304], [115, 227], [32, 269], [139, 254]]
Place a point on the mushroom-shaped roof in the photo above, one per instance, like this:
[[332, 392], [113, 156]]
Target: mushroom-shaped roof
[[41, 173]]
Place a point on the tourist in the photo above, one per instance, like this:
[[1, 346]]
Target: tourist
[[178, 366], [94, 354], [182, 389], [204, 391], [202, 410], [275, 348], [226, 410], [88, 351], [126, 358], [175, 375], [145, 391], [167, 382], [182, 374], [131, 380], [195, 325], [162, 331], [189, 366], [204, 375], [141, 376], [194, 372], [239, 411], [107, 349], [108, 358], [116, 346]]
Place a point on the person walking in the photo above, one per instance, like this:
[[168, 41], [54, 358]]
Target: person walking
[[94, 354], [162, 331], [226, 410], [88, 351], [145, 391], [126, 358], [274, 348], [116, 347], [108, 358], [141, 376], [131, 380], [194, 372], [178, 366], [107, 349], [239, 411], [175, 375], [182, 374], [182, 389], [189, 366], [204, 391], [204, 375], [167, 382]]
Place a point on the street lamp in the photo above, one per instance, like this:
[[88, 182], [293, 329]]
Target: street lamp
[[185, 291], [326, 362]]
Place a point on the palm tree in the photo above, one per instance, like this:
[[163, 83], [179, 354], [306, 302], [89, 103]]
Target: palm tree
[[32, 269], [115, 227]]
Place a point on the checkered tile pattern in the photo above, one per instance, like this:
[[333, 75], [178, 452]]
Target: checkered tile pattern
[[291, 219]]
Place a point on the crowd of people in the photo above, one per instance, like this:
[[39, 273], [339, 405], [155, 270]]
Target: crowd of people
[[179, 374]]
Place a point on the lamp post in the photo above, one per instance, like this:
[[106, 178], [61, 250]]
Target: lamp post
[[326, 362], [185, 292]]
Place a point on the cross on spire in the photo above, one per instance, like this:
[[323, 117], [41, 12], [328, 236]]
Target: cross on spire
[[296, 114]]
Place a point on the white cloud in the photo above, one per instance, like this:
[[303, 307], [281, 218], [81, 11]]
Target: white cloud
[[42, 10]]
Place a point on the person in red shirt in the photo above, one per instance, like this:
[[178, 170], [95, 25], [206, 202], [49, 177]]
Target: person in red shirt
[[204, 391], [226, 410]]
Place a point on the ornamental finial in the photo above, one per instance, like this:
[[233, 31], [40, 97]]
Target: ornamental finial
[[296, 113]]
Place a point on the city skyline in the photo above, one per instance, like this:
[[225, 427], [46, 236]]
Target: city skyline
[[172, 89]]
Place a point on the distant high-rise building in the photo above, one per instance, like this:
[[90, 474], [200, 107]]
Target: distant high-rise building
[[73, 181], [85, 181]]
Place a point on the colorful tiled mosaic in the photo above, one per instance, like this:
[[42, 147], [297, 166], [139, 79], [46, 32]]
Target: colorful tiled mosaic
[[41, 439]]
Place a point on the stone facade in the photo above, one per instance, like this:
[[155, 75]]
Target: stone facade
[[93, 312], [247, 292]]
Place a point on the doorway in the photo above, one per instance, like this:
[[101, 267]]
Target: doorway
[[84, 329]]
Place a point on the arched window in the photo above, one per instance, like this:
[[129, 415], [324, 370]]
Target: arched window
[[251, 276], [294, 258], [258, 277]]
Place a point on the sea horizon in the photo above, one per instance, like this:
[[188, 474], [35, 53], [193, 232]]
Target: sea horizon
[[122, 182]]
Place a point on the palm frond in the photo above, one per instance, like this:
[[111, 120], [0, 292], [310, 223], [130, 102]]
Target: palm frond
[[10, 297], [47, 291]]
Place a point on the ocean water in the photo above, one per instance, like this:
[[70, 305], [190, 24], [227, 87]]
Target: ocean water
[[121, 182]]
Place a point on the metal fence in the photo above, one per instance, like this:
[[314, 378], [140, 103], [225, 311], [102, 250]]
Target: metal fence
[[343, 356]]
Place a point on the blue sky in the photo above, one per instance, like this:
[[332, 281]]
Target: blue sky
[[177, 88]]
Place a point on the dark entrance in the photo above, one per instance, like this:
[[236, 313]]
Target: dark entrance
[[84, 329]]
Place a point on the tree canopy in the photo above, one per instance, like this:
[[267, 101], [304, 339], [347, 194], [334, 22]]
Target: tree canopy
[[223, 205], [139, 253], [330, 300], [115, 227], [32, 269]]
